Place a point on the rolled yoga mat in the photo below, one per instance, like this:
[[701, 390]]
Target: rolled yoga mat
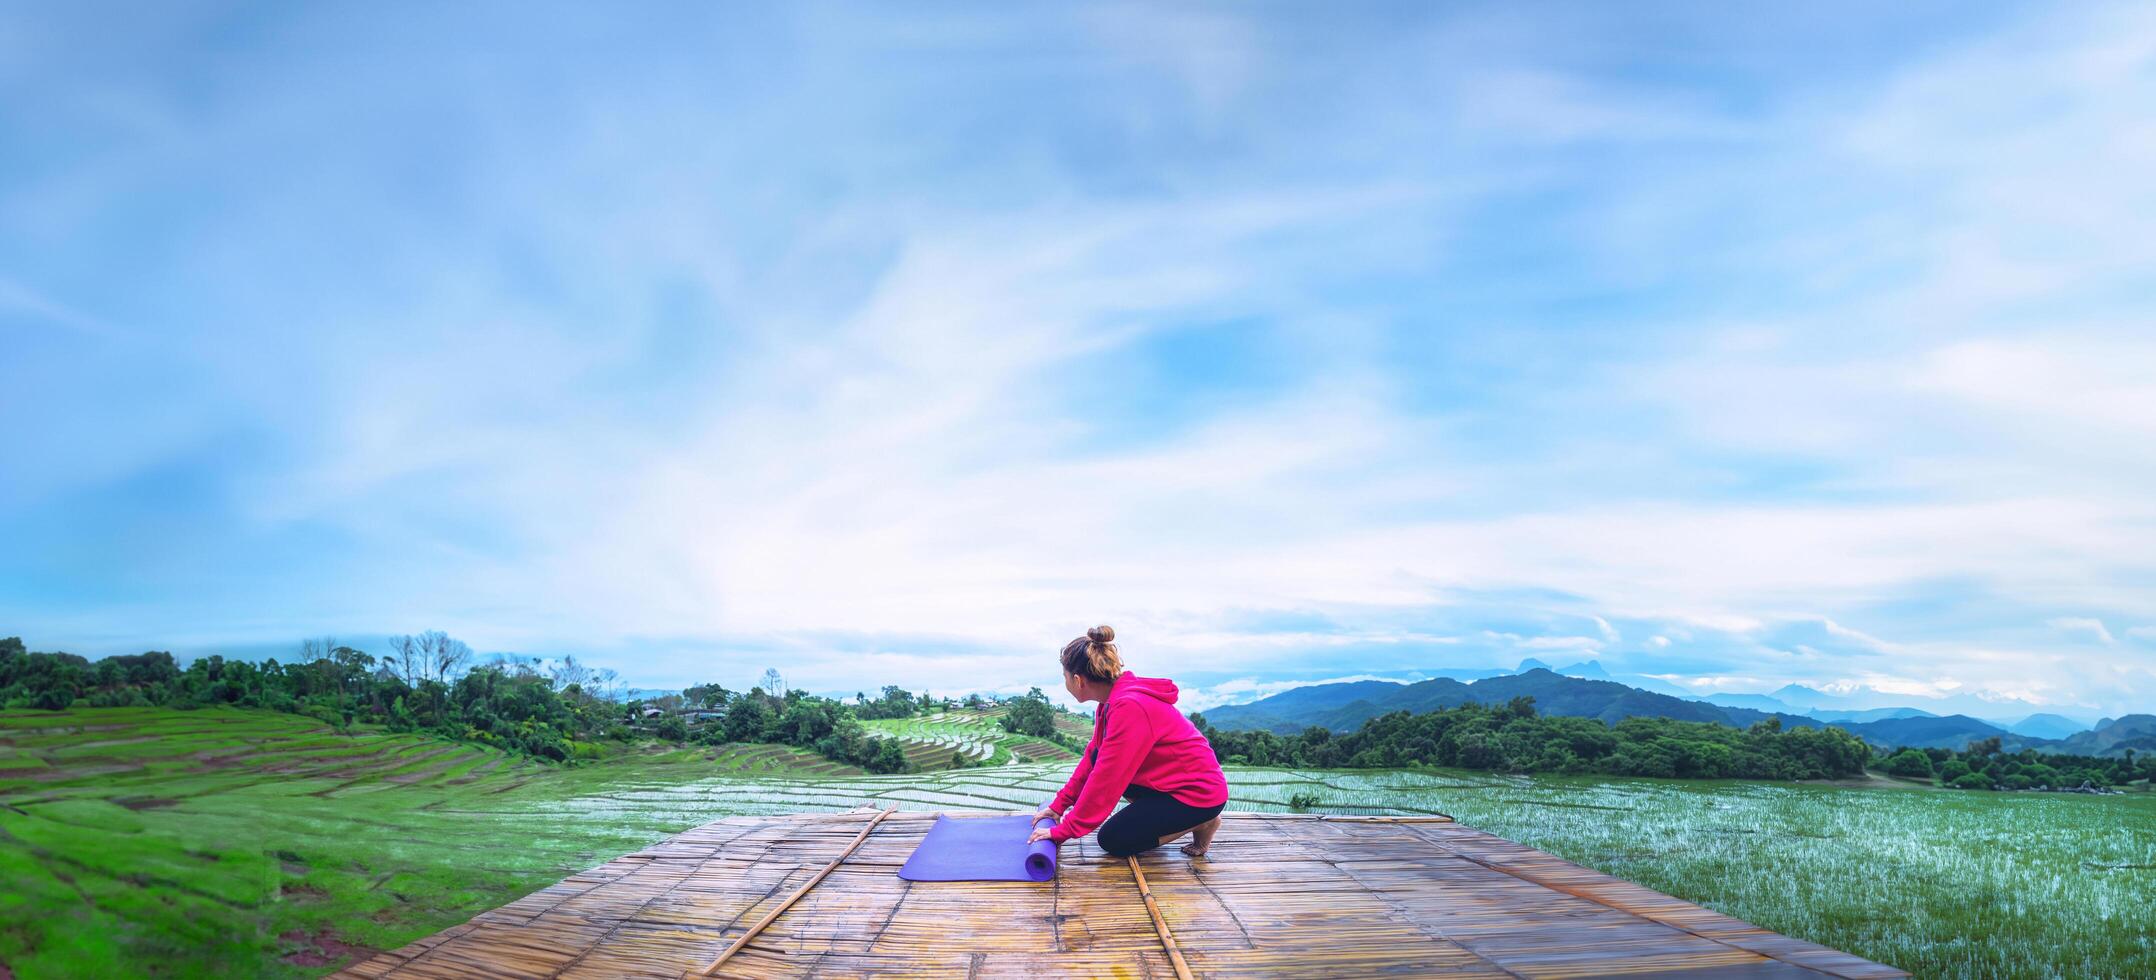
[[982, 849]]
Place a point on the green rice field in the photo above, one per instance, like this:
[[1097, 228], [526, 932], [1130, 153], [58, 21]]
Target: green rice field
[[153, 842], [961, 739]]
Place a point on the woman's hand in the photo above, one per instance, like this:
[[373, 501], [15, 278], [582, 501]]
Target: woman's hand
[[1046, 812]]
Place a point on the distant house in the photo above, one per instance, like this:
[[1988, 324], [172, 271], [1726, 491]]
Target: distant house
[[651, 713], [704, 714]]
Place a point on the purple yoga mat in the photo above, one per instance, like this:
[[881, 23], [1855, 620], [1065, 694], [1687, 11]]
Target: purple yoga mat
[[982, 849]]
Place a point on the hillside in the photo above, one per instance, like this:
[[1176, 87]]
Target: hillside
[[1950, 732], [2114, 737]]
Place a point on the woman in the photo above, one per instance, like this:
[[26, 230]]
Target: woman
[[1142, 750]]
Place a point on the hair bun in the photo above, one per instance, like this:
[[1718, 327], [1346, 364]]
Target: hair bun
[[1101, 634]]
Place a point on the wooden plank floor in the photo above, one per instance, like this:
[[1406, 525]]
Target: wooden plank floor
[[1279, 895]]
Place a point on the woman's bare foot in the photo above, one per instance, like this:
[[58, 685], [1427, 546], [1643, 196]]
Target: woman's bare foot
[[1201, 837]]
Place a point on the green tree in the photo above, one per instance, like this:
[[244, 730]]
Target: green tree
[[745, 721], [888, 757], [1030, 715], [1910, 763]]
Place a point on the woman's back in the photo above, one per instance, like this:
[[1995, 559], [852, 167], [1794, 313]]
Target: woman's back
[[1177, 759]]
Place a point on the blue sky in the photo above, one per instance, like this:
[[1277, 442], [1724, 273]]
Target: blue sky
[[1734, 346]]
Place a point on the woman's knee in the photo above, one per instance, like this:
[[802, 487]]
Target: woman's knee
[[1125, 841]]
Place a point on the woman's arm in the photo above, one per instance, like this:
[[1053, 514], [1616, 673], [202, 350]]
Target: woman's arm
[[1128, 737], [1069, 793]]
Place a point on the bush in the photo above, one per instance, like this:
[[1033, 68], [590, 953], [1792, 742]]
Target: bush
[[1303, 801], [1910, 763], [1974, 780], [1030, 715], [888, 757]]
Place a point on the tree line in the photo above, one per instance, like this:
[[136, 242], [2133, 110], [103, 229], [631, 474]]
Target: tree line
[[428, 684], [1513, 737], [1981, 765], [770, 712], [565, 710]]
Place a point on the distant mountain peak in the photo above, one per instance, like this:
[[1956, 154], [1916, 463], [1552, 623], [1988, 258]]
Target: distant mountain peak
[[1592, 670], [1533, 664], [2046, 725]]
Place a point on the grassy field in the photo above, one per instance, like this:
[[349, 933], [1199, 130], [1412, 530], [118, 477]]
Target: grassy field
[[1940, 883], [227, 843]]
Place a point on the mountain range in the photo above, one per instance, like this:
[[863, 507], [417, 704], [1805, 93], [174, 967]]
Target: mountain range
[[1579, 691], [1843, 702]]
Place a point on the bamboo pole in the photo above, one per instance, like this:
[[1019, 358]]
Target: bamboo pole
[[1160, 925], [773, 915]]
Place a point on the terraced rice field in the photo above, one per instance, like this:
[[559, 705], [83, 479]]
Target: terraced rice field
[[230, 843], [959, 739], [1077, 725], [241, 843]]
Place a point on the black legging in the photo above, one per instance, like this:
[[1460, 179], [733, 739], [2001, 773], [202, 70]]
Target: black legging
[[1150, 816]]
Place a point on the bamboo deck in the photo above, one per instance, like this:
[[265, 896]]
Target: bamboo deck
[[1279, 895]]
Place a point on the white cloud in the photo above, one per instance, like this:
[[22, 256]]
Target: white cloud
[[2080, 625], [1896, 684], [1214, 56], [2103, 385], [1858, 636], [1704, 684], [1515, 641], [18, 300]]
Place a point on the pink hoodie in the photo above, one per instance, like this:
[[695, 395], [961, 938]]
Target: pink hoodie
[[1138, 737]]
